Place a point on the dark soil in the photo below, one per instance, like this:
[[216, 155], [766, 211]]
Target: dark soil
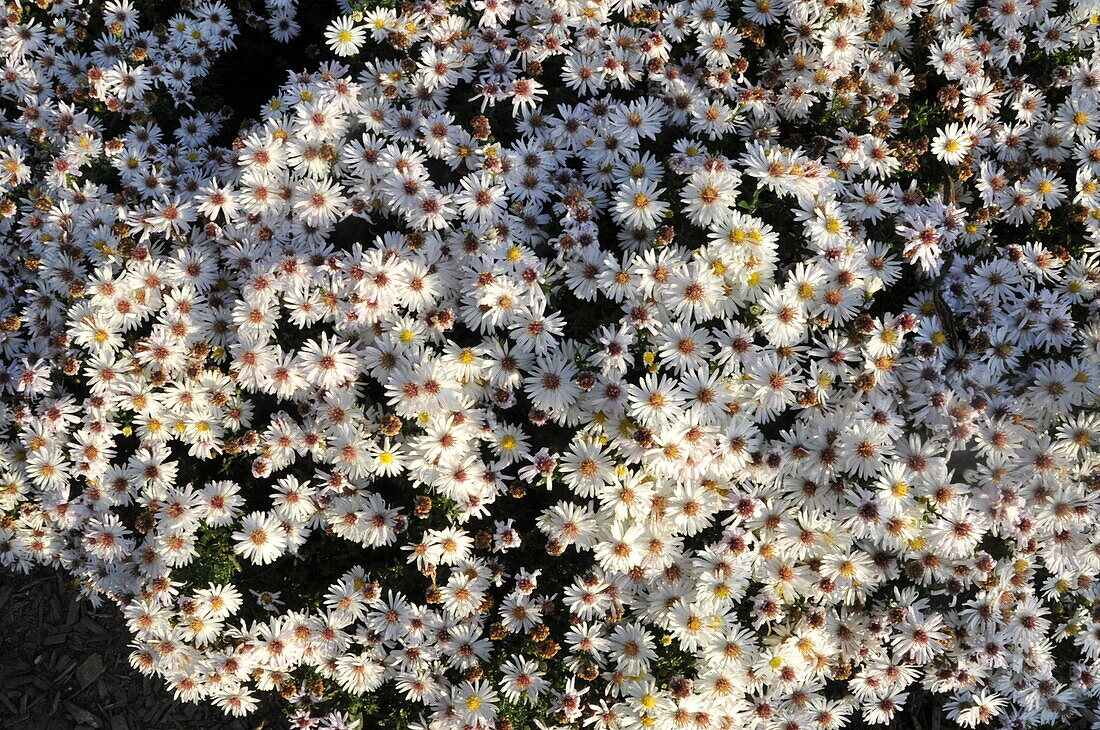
[[64, 666]]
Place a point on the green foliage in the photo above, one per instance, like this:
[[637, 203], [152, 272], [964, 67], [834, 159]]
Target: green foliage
[[216, 562]]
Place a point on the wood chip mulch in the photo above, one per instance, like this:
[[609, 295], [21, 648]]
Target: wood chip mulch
[[64, 666]]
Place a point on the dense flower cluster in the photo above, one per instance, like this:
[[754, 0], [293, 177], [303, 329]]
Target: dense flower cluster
[[615, 364], [278, 17]]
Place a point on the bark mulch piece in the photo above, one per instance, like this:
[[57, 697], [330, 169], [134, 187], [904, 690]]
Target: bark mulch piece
[[64, 666]]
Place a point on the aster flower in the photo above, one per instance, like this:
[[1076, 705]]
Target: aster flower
[[319, 203], [344, 36], [327, 363], [260, 539], [637, 204]]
